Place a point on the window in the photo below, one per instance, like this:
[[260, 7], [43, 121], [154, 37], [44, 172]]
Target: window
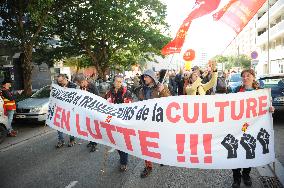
[[278, 20], [272, 44], [278, 41], [281, 66]]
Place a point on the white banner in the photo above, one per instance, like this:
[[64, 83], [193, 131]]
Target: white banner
[[212, 132]]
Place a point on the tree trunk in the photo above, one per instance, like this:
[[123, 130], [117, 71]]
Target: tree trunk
[[27, 68], [101, 72], [104, 73], [77, 69]]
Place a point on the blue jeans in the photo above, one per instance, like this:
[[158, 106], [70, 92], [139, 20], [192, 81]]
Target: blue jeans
[[10, 119], [123, 157], [61, 137]]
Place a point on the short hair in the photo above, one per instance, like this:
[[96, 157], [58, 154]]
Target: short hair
[[63, 76], [6, 81], [79, 77], [250, 71]]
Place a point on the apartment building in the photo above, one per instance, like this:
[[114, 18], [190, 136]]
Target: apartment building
[[254, 38], [271, 54]]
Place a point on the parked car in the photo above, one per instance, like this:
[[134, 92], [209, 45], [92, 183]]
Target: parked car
[[3, 122], [35, 107], [276, 83], [235, 80]]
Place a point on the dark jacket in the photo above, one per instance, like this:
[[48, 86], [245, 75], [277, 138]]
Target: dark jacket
[[121, 96], [173, 86], [151, 92], [7, 94], [92, 88], [71, 85], [181, 87]]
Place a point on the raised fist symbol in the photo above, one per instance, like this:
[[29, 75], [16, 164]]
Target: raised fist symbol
[[249, 143], [231, 144], [263, 138]]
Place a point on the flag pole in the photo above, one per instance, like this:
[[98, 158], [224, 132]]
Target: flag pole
[[269, 71], [167, 69], [268, 43]]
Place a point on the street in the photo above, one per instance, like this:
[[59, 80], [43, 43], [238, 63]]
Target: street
[[31, 160]]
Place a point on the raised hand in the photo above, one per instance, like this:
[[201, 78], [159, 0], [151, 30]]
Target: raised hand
[[249, 143], [231, 144], [263, 138]]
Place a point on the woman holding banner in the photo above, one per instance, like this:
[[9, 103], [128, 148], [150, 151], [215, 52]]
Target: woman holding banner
[[249, 84], [119, 94], [196, 87]]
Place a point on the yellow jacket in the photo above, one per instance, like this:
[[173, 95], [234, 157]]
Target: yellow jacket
[[201, 88]]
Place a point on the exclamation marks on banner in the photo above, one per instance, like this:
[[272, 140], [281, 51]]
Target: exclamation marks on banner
[[193, 146], [207, 139], [180, 138]]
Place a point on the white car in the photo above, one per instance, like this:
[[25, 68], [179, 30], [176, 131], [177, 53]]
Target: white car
[[3, 122], [35, 107]]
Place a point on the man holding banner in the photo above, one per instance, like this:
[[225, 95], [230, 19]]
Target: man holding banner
[[151, 89], [87, 86], [62, 81]]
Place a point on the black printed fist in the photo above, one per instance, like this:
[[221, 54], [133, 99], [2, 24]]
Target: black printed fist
[[231, 144], [249, 143], [263, 138]]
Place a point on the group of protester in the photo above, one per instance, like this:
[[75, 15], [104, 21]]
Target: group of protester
[[117, 94], [150, 86]]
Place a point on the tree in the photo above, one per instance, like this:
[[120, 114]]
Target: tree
[[242, 61], [78, 62], [221, 59], [245, 61], [111, 32], [133, 55], [24, 25]]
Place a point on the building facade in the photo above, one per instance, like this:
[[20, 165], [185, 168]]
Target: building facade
[[271, 54], [255, 37]]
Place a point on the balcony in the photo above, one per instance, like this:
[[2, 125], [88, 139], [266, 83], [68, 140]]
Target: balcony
[[276, 10], [274, 32], [274, 54]]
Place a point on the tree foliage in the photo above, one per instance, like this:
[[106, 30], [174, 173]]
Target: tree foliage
[[78, 62], [24, 25], [242, 61], [112, 32]]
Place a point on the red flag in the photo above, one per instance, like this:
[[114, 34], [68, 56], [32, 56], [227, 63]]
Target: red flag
[[203, 7], [175, 45], [221, 12], [237, 13]]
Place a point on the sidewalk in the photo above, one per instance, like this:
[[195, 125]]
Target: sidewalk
[[279, 142], [25, 133]]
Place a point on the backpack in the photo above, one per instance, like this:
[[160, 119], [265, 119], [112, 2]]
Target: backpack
[[221, 86]]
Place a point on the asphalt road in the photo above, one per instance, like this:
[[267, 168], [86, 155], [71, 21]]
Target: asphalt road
[[31, 160]]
